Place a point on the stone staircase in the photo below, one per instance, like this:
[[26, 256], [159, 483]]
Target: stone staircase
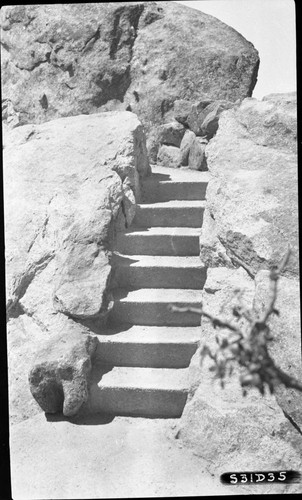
[[141, 361]]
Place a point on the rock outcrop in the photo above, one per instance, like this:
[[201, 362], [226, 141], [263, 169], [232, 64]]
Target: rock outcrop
[[252, 199], [59, 379], [183, 141], [66, 181], [285, 348], [229, 431], [250, 219], [71, 59], [69, 185]]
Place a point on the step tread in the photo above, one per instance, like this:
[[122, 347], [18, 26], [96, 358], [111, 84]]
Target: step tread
[[158, 295], [158, 261], [137, 334], [159, 240], [161, 188], [179, 174], [163, 230], [173, 204], [167, 379]]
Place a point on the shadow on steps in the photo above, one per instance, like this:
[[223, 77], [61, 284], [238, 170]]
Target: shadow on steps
[[82, 418]]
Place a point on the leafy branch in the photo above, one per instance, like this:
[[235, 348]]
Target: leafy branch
[[246, 342]]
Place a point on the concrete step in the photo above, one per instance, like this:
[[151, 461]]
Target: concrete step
[[141, 392], [159, 241], [145, 271], [148, 346], [156, 188], [183, 174], [179, 213], [149, 306]]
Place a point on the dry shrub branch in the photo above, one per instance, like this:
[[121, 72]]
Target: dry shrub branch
[[245, 341]]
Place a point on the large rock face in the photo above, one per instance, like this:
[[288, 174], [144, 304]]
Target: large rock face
[[70, 59], [229, 431], [69, 185], [253, 196], [65, 183], [251, 217], [285, 348]]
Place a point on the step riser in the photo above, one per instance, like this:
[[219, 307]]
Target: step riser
[[159, 277], [169, 217], [165, 191], [146, 355], [136, 402], [157, 245], [156, 314]]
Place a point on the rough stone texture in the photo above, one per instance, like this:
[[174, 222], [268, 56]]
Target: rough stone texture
[[220, 292], [286, 329], [153, 145], [252, 216], [59, 379], [197, 115], [192, 119], [232, 432], [185, 145], [197, 159], [64, 177], [171, 133], [240, 434], [182, 109], [272, 122], [204, 115], [168, 156], [69, 59], [252, 197], [40, 323], [69, 185], [23, 337], [212, 251]]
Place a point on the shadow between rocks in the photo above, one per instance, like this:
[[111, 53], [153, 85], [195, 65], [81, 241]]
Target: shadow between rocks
[[160, 177], [81, 419]]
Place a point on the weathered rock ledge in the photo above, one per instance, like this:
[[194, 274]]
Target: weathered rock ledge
[[69, 185]]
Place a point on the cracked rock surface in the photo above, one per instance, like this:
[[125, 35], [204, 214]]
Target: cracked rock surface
[[252, 198], [59, 379], [285, 349], [69, 59]]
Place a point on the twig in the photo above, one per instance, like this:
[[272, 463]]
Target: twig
[[287, 380], [241, 263], [214, 320], [274, 276], [249, 348]]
